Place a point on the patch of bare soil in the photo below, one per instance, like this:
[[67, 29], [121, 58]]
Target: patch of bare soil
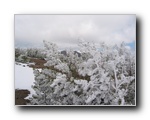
[[20, 95], [39, 63]]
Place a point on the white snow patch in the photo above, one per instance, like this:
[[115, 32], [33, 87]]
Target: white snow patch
[[24, 77]]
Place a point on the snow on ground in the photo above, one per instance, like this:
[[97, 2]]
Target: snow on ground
[[24, 77]]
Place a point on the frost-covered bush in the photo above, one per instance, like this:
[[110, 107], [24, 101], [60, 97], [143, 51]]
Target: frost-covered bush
[[35, 52], [30, 52], [104, 76]]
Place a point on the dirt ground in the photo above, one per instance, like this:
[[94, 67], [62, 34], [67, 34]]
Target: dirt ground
[[20, 95], [39, 63]]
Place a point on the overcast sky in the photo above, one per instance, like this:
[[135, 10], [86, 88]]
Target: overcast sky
[[65, 30]]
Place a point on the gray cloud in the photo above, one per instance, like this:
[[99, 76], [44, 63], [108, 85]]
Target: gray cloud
[[64, 30]]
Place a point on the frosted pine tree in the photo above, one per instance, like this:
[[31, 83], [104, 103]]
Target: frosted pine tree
[[104, 76], [54, 85]]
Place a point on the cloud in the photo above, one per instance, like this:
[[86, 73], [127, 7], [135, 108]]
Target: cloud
[[65, 30], [128, 47]]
